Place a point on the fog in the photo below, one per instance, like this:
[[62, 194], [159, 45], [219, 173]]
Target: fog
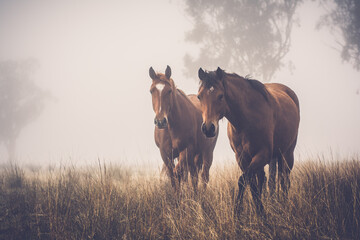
[[94, 58]]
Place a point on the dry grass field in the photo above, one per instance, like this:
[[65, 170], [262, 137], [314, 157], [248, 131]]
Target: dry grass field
[[108, 202]]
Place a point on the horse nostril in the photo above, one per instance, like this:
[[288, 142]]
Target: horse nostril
[[203, 128], [212, 128], [164, 121]]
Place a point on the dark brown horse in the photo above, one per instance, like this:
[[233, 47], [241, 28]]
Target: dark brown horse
[[262, 129], [177, 130]]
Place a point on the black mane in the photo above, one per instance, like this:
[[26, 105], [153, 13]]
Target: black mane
[[212, 78], [255, 84]]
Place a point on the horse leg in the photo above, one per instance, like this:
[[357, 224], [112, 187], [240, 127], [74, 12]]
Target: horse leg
[[185, 170], [261, 180], [194, 172], [180, 168], [285, 164], [207, 159], [256, 167], [272, 176], [170, 166], [242, 182], [286, 168], [243, 161], [256, 190]]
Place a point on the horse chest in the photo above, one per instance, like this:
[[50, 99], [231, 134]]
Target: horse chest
[[247, 142], [241, 144], [179, 143], [181, 138]]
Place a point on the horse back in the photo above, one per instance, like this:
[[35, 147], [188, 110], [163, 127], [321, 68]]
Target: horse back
[[276, 89], [195, 101]]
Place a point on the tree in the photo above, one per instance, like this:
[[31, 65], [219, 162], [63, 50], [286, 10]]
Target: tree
[[21, 100], [251, 36], [344, 18]]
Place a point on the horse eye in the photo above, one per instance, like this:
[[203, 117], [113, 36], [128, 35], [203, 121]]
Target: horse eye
[[151, 91], [220, 97], [198, 96]]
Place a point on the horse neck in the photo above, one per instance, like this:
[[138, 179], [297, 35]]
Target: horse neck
[[179, 114], [239, 95]]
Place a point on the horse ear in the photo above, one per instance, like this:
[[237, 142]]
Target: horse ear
[[201, 74], [168, 72], [219, 73], [152, 73]]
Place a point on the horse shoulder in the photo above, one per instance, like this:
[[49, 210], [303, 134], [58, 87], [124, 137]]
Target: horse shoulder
[[182, 127], [238, 141]]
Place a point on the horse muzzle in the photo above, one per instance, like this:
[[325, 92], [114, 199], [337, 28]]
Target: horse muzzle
[[209, 131], [160, 123]]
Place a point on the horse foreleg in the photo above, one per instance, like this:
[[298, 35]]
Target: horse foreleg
[[256, 169], [194, 172], [261, 180], [170, 168], [185, 172], [207, 159], [180, 169], [239, 199]]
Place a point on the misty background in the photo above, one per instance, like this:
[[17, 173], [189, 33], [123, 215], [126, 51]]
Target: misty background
[[82, 71]]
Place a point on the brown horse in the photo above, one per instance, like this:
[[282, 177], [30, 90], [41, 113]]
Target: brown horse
[[177, 131], [262, 129]]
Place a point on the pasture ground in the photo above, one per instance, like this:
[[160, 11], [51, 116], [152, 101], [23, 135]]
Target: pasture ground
[[109, 202]]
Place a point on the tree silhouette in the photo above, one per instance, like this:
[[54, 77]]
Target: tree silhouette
[[345, 17], [249, 36], [21, 100]]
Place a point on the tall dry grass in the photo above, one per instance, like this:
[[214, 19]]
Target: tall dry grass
[[109, 202]]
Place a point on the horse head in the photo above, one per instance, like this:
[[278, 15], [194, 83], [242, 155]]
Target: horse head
[[213, 104], [161, 91]]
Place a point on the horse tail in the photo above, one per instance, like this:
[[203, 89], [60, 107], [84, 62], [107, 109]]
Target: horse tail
[[272, 175], [284, 169], [281, 165], [275, 183]]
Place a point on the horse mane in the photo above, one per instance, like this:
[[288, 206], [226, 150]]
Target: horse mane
[[184, 95], [181, 92], [255, 84]]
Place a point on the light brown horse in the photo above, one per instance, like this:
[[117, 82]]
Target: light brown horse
[[177, 130], [262, 129]]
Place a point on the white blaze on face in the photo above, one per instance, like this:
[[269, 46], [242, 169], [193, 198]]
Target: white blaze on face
[[211, 89], [160, 87]]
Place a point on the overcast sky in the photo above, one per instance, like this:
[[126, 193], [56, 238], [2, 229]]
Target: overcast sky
[[94, 58]]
